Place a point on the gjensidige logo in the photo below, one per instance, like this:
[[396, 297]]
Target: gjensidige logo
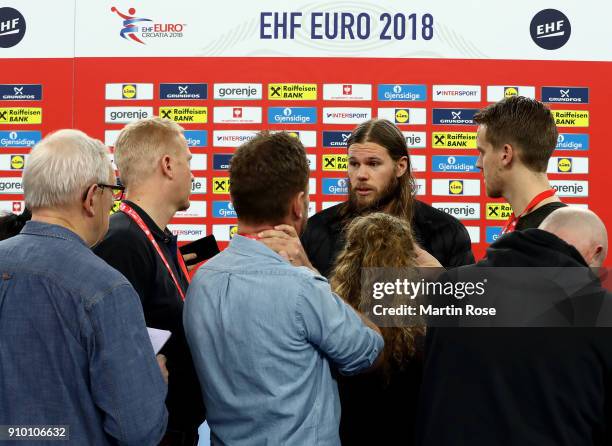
[[12, 27], [550, 29], [141, 29]]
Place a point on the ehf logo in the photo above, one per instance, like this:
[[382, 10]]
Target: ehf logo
[[550, 29]]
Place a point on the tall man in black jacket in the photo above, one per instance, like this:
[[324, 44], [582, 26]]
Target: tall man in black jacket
[[153, 161], [380, 179]]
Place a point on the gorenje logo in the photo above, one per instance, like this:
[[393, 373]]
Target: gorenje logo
[[21, 92], [550, 29], [238, 91], [10, 185], [12, 27], [292, 115], [402, 92], [462, 211], [577, 95], [19, 139], [125, 115], [573, 141], [335, 139], [453, 116], [183, 91]]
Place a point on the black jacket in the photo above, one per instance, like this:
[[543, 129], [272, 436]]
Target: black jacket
[[440, 234], [127, 249], [520, 386]]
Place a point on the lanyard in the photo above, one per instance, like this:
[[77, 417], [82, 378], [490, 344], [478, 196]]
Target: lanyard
[[127, 209], [512, 222]]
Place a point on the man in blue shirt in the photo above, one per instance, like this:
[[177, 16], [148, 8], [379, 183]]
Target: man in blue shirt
[[74, 349], [264, 334]]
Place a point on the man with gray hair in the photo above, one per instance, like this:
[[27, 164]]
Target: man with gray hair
[[74, 351]]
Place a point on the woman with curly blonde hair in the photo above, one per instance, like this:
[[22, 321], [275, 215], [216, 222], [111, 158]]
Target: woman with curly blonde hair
[[379, 407]]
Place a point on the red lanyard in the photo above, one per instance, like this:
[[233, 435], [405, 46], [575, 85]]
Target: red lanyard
[[127, 209], [512, 222]]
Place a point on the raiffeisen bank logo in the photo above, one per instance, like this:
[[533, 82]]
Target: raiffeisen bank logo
[[141, 29]]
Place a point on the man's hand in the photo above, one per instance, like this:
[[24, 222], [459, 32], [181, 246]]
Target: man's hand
[[283, 239], [188, 257], [161, 361]]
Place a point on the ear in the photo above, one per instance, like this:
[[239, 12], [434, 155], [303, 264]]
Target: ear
[[401, 165], [90, 200], [595, 255], [507, 154], [297, 206], [167, 166]]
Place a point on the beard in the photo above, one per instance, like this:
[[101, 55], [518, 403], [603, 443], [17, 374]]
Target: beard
[[389, 193]]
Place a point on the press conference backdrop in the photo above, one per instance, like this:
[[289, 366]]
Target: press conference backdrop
[[316, 69]]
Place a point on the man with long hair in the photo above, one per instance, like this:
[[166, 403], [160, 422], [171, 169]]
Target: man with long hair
[[380, 180], [377, 241]]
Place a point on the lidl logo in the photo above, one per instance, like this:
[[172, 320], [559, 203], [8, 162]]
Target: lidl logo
[[455, 187], [510, 91], [415, 116], [498, 211], [335, 163], [221, 185], [17, 162], [564, 164], [188, 115], [24, 115], [128, 91], [402, 116], [233, 230], [296, 92], [571, 118]]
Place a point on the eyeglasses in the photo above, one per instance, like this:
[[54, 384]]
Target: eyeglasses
[[115, 189]]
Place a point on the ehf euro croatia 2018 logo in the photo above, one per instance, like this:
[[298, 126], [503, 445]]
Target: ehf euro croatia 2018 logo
[[141, 29]]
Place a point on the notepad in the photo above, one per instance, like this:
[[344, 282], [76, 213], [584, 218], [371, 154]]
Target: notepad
[[158, 338]]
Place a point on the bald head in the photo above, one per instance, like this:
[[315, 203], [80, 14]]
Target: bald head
[[582, 229]]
